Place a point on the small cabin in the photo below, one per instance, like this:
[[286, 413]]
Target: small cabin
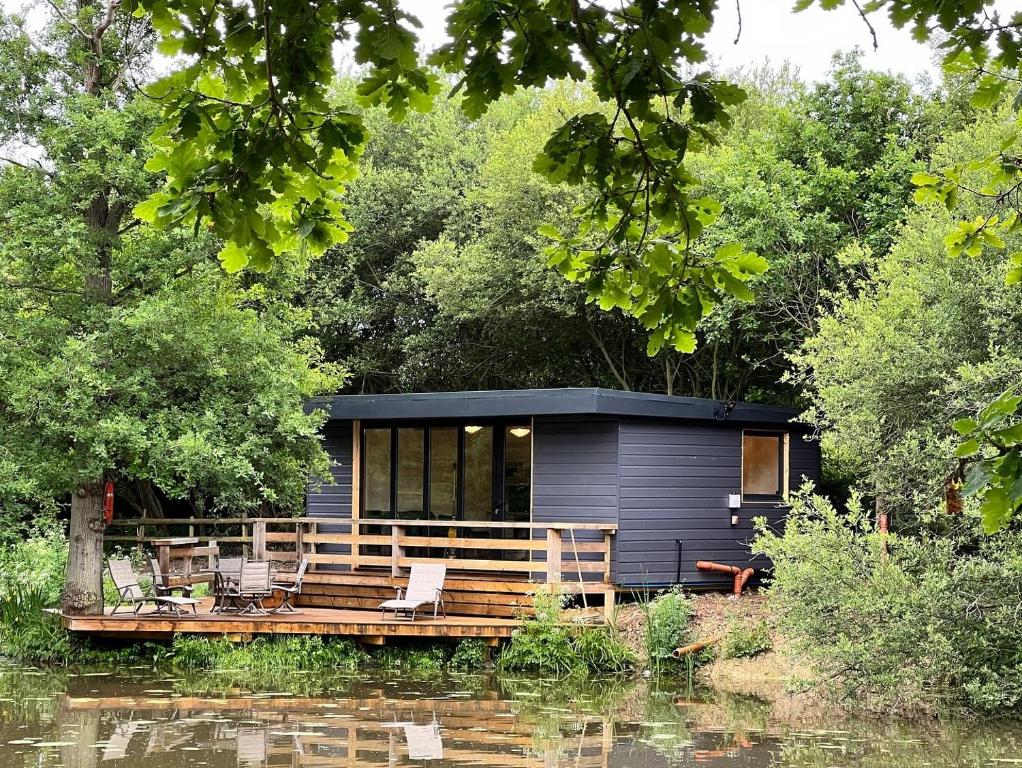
[[665, 481]]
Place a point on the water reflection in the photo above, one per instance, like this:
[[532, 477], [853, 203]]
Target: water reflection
[[136, 720]]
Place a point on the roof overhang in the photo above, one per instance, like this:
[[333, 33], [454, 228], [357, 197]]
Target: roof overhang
[[543, 402]]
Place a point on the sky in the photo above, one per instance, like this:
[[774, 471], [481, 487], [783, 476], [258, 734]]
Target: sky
[[772, 32]]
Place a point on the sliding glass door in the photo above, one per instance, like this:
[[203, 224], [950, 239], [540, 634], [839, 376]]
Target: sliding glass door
[[473, 472]]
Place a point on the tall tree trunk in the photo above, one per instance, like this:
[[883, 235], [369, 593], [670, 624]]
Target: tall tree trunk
[[83, 591]]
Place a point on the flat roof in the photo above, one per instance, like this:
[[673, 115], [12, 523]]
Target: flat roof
[[573, 401]]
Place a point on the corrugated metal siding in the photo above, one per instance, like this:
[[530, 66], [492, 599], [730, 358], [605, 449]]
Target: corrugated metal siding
[[675, 480]]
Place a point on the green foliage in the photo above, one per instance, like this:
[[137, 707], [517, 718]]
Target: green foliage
[[127, 353], [667, 616], [428, 659], [599, 649], [929, 625], [548, 643], [992, 442], [443, 285], [265, 655], [27, 632], [925, 340], [469, 654], [35, 565], [249, 142], [744, 641]]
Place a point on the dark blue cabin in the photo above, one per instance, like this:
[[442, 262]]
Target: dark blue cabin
[[681, 478]]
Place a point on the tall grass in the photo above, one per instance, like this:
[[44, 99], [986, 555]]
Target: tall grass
[[547, 642], [667, 616]]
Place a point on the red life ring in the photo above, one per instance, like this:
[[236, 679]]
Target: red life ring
[[108, 502]]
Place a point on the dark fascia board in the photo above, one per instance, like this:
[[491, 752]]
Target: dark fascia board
[[541, 402]]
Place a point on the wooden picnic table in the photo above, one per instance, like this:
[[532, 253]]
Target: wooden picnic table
[[184, 548]]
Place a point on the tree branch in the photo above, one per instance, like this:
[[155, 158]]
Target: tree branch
[[68, 20], [38, 168], [869, 26]]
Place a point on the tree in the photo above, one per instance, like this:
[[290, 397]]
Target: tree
[[127, 354], [927, 340], [443, 285], [250, 142]]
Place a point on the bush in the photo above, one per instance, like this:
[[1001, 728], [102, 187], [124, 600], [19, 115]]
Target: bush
[[264, 654], [470, 653], [37, 562], [744, 641], [27, 632], [548, 643], [931, 624], [667, 617]]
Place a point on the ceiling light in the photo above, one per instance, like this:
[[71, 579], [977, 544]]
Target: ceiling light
[[472, 429], [520, 431]]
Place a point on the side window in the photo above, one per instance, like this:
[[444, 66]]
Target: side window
[[764, 466]]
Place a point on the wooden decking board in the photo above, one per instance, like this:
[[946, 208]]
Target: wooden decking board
[[311, 621]]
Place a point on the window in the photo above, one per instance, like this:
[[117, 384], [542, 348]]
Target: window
[[410, 462], [443, 473], [517, 474], [477, 472], [478, 498], [376, 461], [764, 466]]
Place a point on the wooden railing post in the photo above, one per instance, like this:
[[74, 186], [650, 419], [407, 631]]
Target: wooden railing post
[[553, 556], [313, 546], [397, 551], [258, 540], [299, 543], [356, 492]]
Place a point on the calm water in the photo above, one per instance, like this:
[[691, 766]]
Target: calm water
[[133, 719]]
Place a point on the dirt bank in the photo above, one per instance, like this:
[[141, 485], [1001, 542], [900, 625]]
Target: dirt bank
[[776, 675]]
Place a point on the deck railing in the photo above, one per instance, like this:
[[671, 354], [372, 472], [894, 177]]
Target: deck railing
[[555, 551]]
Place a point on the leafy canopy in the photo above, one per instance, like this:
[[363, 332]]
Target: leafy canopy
[[127, 353], [250, 142]]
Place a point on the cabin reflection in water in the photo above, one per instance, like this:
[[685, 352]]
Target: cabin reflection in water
[[378, 732]]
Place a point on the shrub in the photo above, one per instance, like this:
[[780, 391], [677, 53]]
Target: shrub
[[470, 653], [548, 643], [37, 562], [667, 616], [743, 641], [599, 649], [426, 659], [264, 654], [27, 632], [932, 623]]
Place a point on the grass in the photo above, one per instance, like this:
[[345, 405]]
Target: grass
[[547, 643]]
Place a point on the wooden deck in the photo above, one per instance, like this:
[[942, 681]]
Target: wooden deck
[[363, 625]]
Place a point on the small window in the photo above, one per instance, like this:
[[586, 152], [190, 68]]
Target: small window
[[764, 466]]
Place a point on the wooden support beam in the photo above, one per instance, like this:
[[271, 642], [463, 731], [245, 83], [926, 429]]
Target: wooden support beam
[[259, 540], [609, 595], [397, 551], [553, 556]]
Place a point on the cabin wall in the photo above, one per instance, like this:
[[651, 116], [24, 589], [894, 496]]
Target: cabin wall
[[334, 499], [574, 470], [675, 482], [575, 476]]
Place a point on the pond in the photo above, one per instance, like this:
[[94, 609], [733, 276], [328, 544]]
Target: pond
[[134, 718]]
